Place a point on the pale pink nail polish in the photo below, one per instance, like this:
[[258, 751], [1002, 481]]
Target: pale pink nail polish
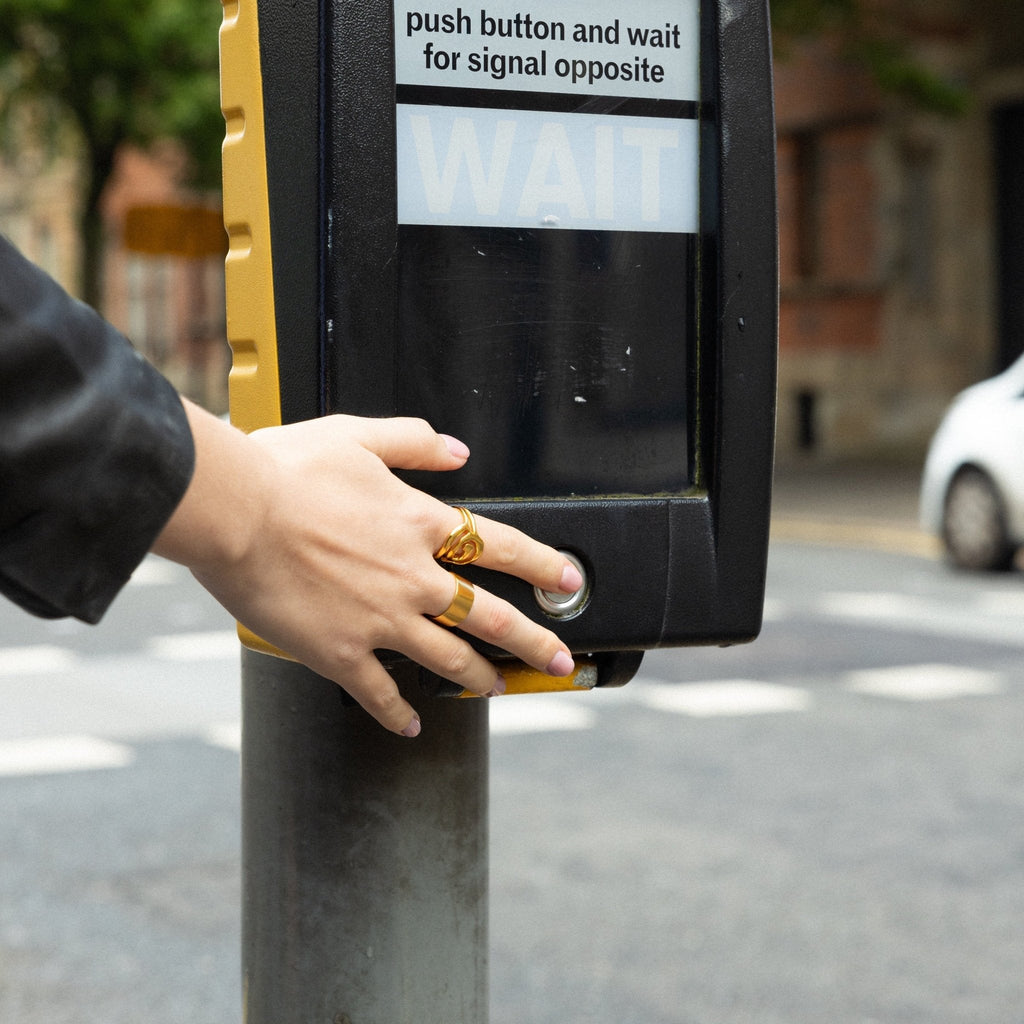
[[412, 730], [455, 446], [499, 687], [572, 579], [561, 665]]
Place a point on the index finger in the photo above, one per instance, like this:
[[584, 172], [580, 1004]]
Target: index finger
[[509, 550]]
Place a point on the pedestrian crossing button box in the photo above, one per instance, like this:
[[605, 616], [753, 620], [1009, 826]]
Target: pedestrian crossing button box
[[549, 231]]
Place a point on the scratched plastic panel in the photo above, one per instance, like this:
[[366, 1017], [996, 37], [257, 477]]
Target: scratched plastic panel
[[562, 358]]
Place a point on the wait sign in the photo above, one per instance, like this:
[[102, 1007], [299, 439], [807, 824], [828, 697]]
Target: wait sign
[[494, 122]]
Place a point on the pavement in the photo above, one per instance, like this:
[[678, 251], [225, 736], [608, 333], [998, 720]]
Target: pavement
[[856, 504]]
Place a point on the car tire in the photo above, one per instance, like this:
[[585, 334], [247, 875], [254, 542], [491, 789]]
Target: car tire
[[974, 524]]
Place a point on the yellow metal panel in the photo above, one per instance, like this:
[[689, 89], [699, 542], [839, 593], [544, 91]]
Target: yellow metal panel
[[521, 678], [253, 383]]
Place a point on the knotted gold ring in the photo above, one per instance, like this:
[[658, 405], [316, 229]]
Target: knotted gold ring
[[463, 545], [455, 614]]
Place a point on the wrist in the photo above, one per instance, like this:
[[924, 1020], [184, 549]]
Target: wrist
[[218, 519]]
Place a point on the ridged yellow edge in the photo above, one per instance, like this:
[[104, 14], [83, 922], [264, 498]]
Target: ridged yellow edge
[[253, 383]]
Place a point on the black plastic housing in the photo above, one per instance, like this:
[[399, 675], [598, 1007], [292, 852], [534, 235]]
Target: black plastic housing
[[677, 555]]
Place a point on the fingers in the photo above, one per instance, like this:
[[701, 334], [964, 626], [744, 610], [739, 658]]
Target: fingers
[[407, 443], [370, 685], [451, 657], [441, 651], [509, 550], [446, 654], [496, 622]]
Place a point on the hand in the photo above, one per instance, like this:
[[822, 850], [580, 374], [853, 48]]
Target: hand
[[329, 556]]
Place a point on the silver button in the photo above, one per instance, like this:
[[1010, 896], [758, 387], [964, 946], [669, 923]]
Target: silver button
[[563, 605]]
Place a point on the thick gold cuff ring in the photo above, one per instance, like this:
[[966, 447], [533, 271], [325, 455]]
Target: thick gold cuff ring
[[463, 545], [456, 612]]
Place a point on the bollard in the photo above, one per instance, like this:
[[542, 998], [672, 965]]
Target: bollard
[[364, 855]]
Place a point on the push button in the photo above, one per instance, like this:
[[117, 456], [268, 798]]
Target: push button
[[563, 605]]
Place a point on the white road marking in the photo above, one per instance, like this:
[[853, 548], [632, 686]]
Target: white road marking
[[1002, 602], [156, 572], [523, 713], [727, 697], [207, 646], [874, 606], [36, 659], [47, 755], [925, 682], [904, 613], [227, 735]]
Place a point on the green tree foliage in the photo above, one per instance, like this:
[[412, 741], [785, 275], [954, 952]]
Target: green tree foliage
[[872, 33], [115, 72]]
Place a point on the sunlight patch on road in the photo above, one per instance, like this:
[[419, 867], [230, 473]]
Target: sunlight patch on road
[[157, 572], [723, 698], [227, 736], [207, 646], [925, 682], [48, 755], [36, 659], [542, 713], [912, 613]]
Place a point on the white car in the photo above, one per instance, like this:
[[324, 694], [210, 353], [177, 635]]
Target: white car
[[972, 493]]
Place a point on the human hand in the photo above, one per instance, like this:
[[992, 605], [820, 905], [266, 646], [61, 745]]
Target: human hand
[[332, 558]]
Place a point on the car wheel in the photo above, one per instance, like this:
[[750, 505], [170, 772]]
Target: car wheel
[[974, 523]]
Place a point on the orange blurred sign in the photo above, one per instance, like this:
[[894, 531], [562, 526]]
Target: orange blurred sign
[[192, 232]]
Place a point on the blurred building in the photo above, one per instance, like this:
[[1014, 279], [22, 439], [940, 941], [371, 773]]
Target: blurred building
[[168, 298], [901, 240], [164, 272], [901, 234], [38, 209]]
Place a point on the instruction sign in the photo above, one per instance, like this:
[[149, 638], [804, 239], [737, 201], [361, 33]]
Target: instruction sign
[[493, 128], [607, 47]]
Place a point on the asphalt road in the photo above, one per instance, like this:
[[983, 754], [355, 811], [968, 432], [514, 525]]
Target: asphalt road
[[826, 825]]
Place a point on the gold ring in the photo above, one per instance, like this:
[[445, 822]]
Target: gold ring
[[463, 545], [456, 612]]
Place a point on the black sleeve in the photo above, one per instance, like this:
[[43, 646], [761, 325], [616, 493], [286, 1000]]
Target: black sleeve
[[95, 449]]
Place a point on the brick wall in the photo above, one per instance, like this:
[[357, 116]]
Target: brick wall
[[887, 239]]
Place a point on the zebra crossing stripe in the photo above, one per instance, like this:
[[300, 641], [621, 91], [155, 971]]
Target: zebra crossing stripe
[[36, 659], [925, 682], [725, 697], [47, 755]]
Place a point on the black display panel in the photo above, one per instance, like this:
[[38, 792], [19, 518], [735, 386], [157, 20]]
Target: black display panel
[[560, 357], [538, 292]]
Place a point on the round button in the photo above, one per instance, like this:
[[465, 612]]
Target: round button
[[564, 605]]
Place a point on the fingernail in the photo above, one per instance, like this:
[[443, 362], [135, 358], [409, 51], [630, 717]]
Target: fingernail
[[412, 730], [499, 687], [572, 579], [561, 665], [455, 446]]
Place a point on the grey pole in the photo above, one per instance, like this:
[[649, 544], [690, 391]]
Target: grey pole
[[364, 856]]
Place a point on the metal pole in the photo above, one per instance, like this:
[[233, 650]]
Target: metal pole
[[364, 856]]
